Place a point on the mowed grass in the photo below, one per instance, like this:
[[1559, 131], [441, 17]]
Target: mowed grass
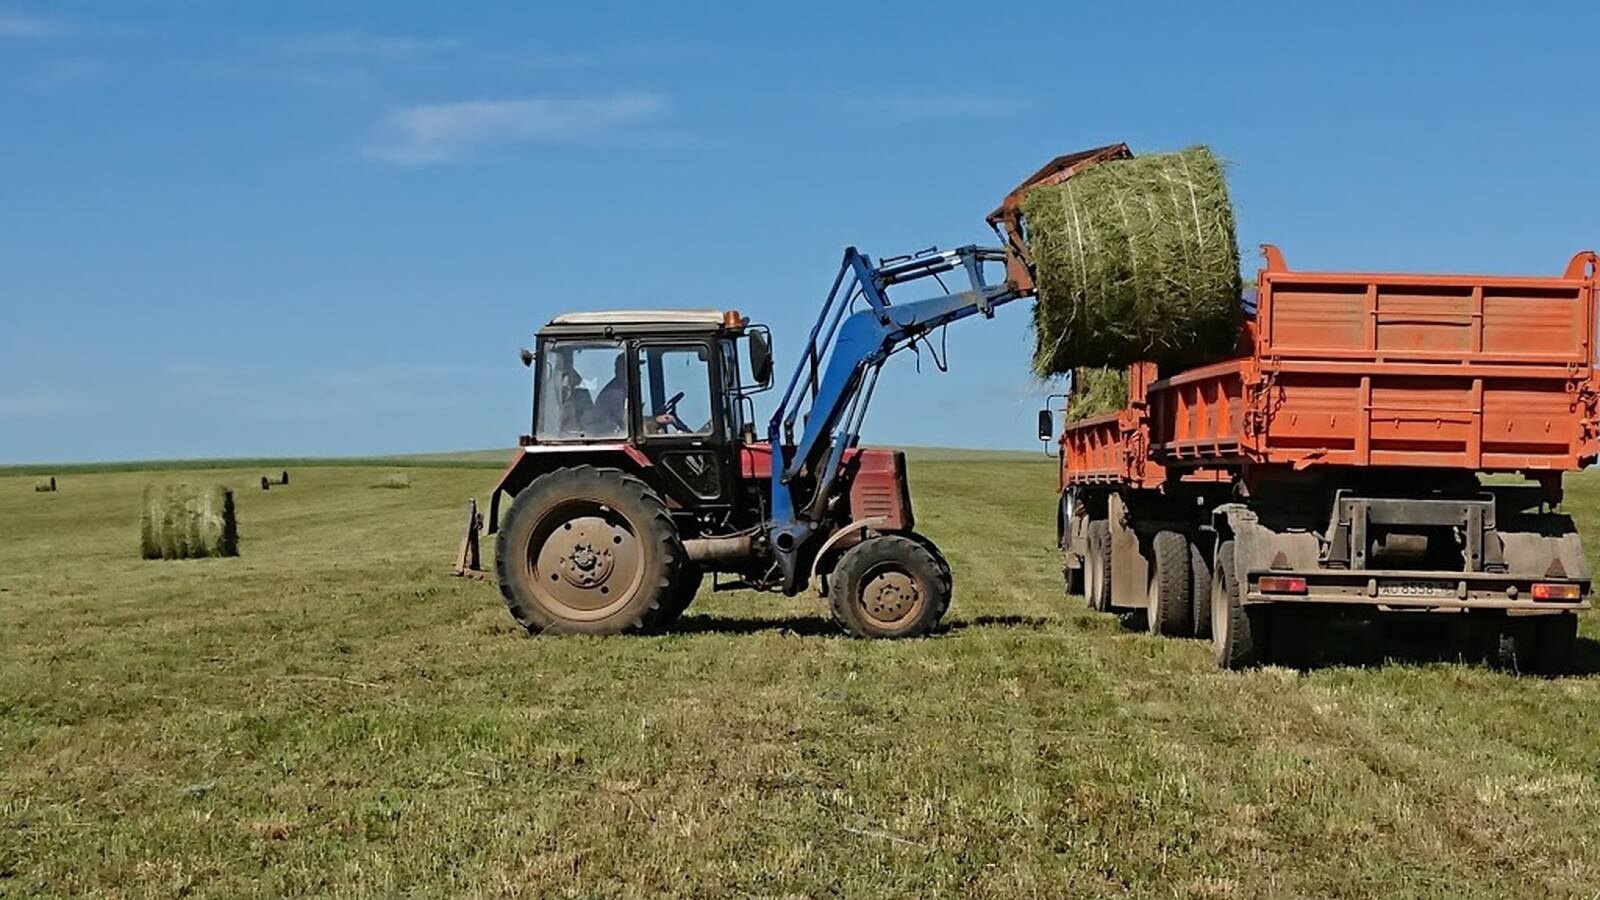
[[331, 714]]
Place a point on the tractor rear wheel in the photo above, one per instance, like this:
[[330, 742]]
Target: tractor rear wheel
[[591, 551], [682, 594], [890, 586], [1168, 612], [1097, 566]]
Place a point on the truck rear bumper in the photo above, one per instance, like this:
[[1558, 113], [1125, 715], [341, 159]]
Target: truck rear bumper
[[1413, 590]]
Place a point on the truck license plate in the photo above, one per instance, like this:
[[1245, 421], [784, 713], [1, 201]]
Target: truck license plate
[[1418, 589]]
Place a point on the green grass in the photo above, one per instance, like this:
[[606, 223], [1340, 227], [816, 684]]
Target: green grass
[[330, 714]]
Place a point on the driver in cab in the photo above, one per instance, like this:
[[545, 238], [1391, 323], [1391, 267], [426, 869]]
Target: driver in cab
[[610, 412]]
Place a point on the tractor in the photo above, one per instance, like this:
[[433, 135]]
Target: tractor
[[644, 469]]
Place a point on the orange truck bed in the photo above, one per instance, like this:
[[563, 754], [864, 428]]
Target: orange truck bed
[[1481, 373]]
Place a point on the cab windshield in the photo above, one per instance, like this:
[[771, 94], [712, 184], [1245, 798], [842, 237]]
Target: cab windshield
[[584, 391]]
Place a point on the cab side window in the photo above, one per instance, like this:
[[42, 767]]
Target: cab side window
[[675, 386]]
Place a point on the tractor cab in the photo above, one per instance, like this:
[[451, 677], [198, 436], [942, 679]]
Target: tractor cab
[[671, 385]]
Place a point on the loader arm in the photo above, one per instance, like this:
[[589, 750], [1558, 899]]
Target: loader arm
[[834, 379]]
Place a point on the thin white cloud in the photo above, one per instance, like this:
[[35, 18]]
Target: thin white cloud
[[923, 106], [17, 25], [29, 404], [359, 45], [61, 74], [441, 132]]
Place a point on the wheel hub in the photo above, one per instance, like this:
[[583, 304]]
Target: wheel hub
[[587, 562], [586, 565], [890, 596]]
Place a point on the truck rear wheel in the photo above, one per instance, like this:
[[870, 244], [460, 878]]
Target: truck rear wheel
[[890, 586], [1234, 632], [1168, 612], [590, 551], [1072, 576], [1200, 590], [1097, 566], [1543, 645]]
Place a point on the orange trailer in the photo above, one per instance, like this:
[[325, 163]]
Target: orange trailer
[[1335, 465]]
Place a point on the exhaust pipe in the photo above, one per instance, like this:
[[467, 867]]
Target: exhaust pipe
[[709, 551]]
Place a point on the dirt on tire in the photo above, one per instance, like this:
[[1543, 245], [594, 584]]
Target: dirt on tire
[[591, 551], [1171, 600], [890, 586]]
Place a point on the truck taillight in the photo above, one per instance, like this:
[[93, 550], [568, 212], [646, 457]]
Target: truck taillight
[[1555, 591], [1281, 584]]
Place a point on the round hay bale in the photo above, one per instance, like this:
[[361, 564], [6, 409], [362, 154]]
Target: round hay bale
[[45, 485], [1135, 260], [1096, 391], [184, 521]]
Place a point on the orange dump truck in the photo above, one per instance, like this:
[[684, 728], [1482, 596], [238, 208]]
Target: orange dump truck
[[1333, 472]]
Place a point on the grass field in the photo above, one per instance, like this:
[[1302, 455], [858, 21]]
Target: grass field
[[329, 714]]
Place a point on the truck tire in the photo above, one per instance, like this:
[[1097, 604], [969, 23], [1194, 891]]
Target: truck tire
[[1071, 575], [1234, 631], [1170, 601], [890, 586], [1543, 645], [1199, 590], [1072, 579], [589, 551], [1097, 566]]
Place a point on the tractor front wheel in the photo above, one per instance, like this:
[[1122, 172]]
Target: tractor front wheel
[[890, 586], [591, 551]]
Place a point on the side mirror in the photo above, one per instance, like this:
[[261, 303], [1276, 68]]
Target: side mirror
[[1047, 425], [526, 356], [760, 358]]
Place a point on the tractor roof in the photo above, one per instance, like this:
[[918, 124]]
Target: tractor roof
[[636, 321], [705, 317]]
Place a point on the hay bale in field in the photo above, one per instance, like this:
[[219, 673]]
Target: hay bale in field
[[1096, 392], [45, 485], [184, 521], [394, 480], [1135, 260]]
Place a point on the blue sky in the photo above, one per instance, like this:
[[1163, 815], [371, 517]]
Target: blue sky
[[326, 228]]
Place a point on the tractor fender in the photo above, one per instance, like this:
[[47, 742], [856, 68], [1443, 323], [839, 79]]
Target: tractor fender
[[532, 461], [840, 541]]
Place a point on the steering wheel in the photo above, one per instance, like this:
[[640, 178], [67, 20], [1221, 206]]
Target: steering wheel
[[670, 408]]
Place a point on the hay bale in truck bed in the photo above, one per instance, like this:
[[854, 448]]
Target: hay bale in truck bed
[[1096, 392], [183, 521], [1135, 260]]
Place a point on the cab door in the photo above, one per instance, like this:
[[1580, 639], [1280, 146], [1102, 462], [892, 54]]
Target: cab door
[[681, 426]]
